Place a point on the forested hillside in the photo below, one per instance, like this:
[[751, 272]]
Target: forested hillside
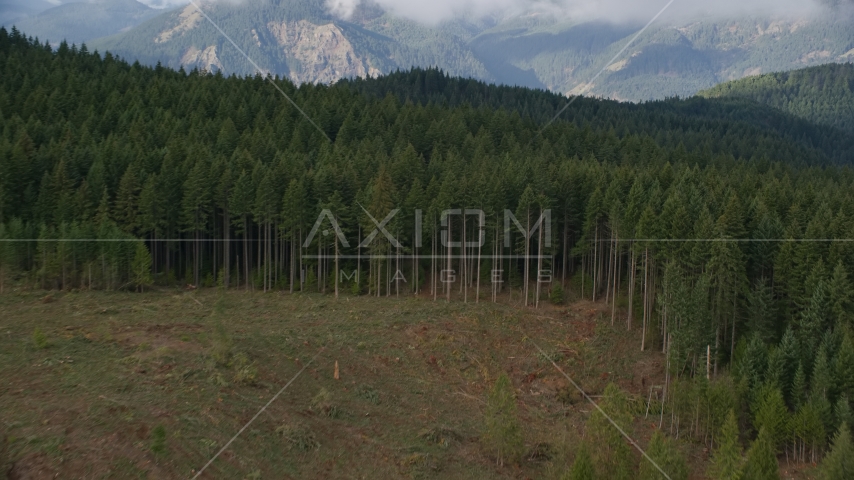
[[718, 225], [824, 95], [737, 123], [673, 57]]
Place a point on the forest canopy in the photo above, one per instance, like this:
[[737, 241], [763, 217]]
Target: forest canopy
[[823, 95]]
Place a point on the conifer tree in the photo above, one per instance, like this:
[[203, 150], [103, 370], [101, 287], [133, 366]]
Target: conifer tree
[[612, 456], [667, 456], [416, 199], [839, 463], [775, 375], [761, 463], [822, 382], [813, 321], [798, 392], [754, 363], [842, 412], [824, 410], [5, 255], [789, 358], [127, 200], [808, 430], [840, 295], [727, 460], [727, 271], [761, 312], [241, 200], [224, 187], [341, 214], [141, 267], [383, 199], [526, 212], [582, 467], [265, 211], [196, 208], [771, 415], [294, 213], [503, 434], [844, 368], [152, 209]]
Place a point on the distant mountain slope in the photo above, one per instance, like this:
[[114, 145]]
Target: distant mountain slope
[[80, 22], [298, 39], [823, 95], [666, 60], [301, 39], [13, 10]]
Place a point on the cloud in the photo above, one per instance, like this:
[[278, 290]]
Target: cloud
[[430, 11], [433, 11], [342, 8], [164, 3]]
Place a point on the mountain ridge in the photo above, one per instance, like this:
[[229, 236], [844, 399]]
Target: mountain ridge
[[79, 22], [304, 41]]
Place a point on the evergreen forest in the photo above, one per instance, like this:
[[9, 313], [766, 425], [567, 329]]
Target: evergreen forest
[[823, 95], [718, 231]]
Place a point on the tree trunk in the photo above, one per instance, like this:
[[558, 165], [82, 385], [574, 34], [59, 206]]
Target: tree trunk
[[433, 252], [563, 257], [196, 261], [336, 268], [246, 251], [583, 273], [717, 347], [260, 251], [464, 283], [388, 272], [479, 251], [732, 340], [495, 257], [277, 258], [448, 291], [359, 261], [539, 260], [645, 297], [595, 263], [616, 279], [267, 252], [415, 262], [526, 273], [610, 273], [293, 263], [632, 289]]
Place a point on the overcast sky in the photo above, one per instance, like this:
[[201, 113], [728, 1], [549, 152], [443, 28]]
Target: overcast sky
[[436, 10], [432, 11]]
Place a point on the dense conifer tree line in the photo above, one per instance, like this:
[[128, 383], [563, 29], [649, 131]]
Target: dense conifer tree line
[[823, 94], [718, 227]]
